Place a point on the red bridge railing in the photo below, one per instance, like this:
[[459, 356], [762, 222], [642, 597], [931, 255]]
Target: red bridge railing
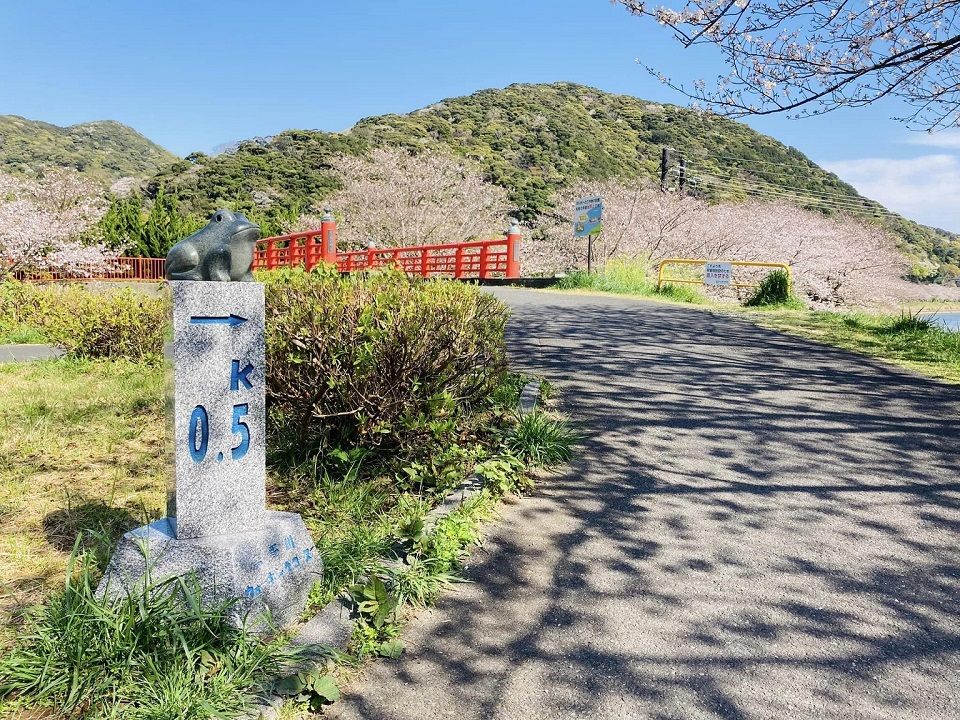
[[476, 259], [473, 259]]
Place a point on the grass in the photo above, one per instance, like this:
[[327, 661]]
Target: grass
[[81, 461], [908, 339], [629, 277], [81, 452], [355, 521], [431, 564], [157, 655], [541, 440], [22, 335], [774, 293]]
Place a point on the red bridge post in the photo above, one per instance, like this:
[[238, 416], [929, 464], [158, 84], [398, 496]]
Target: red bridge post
[[513, 251], [328, 234]]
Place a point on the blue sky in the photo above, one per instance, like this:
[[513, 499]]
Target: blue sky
[[192, 75]]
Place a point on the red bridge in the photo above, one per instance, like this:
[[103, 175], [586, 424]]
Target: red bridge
[[480, 259], [475, 259]]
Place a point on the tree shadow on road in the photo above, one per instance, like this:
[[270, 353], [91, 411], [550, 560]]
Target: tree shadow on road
[[757, 526]]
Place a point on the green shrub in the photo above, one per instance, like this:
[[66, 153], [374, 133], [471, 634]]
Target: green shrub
[[631, 277], [774, 290], [378, 362], [160, 654], [681, 293], [118, 324]]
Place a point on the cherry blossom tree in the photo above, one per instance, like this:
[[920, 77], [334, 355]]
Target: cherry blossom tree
[[812, 56], [835, 260], [394, 198], [838, 260], [47, 224], [640, 222]]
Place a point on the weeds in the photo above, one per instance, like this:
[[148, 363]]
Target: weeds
[[22, 335], [908, 322], [431, 566], [150, 655], [504, 473], [774, 292], [314, 687], [629, 277], [541, 441]]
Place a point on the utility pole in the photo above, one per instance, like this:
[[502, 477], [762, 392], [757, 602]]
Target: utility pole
[[683, 175], [664, 168]]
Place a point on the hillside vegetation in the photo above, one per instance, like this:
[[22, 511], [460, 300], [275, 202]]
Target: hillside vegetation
[[529, 139], [105, 150], [534, 139]]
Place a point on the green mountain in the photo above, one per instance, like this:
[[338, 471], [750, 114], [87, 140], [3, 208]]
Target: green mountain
[[532, 139], [106, 150]]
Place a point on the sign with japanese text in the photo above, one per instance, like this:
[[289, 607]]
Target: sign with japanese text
[[717, 273], [587, 216]]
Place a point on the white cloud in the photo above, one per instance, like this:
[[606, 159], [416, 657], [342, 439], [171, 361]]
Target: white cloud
[[925, 188], [945, 139]]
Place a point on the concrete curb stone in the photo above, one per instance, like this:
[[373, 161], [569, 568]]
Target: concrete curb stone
[[29, 353]]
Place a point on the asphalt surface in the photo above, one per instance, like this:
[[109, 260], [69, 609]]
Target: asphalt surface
[[757, 526], [28, 353]]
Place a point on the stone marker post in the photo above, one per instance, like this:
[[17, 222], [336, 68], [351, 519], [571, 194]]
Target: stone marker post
[[218, 408], [217, 526]]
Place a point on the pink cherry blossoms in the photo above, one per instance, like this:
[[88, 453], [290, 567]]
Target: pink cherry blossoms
[[812, 56], [47, 224], [836, 260]]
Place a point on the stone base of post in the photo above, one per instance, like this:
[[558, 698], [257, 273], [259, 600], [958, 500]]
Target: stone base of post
[[271, 570]]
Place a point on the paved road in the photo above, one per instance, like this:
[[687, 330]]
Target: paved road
[[28, 353], [758, 527]]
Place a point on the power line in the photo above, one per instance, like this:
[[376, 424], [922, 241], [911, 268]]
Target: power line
[[841, 197], [693, 154], [864, 206], [826, 199], [837, 193], [742, 164], [769, 193], [772, 193]]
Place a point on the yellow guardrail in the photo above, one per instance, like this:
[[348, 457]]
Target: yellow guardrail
[[739, 263]]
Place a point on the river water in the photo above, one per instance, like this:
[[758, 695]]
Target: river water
[[949, 320]]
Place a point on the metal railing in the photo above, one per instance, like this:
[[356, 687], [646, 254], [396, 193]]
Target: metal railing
[[700, 281], [303, 249], [480, 259]]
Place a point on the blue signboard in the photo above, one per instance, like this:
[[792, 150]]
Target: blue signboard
[[587, 216]]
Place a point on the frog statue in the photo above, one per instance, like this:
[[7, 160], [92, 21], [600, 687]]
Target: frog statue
[[222, 250]]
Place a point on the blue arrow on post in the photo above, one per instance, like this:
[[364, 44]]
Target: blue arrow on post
[[231, 320]]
